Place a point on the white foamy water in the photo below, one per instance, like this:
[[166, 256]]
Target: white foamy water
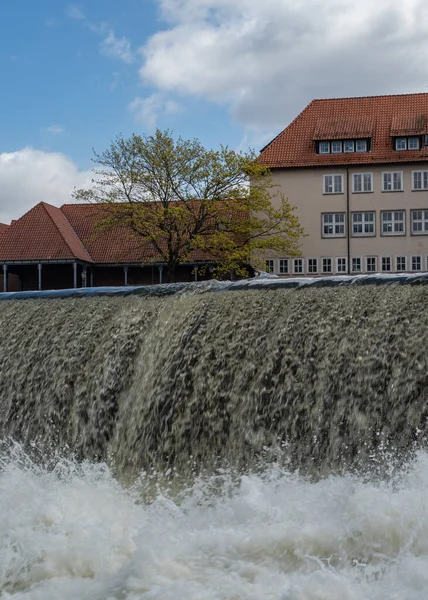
[[73, 532]]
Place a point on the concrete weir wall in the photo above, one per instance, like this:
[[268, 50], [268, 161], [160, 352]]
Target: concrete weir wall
[[257, 283]]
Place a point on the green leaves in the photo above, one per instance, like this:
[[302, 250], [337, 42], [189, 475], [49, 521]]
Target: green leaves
[[181, 198]]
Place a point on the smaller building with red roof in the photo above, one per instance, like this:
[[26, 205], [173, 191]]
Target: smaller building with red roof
[[61, 248]]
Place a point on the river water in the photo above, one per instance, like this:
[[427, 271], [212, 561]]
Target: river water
[[263, 444]]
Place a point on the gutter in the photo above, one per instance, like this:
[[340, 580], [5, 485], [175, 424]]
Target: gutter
[[348, 222]]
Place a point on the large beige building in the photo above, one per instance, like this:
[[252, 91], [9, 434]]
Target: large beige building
[[357, 171]]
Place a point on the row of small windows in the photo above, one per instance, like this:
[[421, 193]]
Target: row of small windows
[[329, 265], [409, 143], [362, 183], [363, 145], [341, 146], [392, 222]]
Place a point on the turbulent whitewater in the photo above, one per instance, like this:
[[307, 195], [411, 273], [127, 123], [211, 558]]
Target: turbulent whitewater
[[72, 532], [251, 444]]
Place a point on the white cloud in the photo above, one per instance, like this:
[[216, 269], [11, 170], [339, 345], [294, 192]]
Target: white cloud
[[147, 110], [119, 48], [55, 129], [74, 13], [29, 176], [267, 60]]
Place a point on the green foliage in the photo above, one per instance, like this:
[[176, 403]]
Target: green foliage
[[184, 200]]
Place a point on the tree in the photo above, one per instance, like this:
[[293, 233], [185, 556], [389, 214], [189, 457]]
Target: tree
[[185, 201]]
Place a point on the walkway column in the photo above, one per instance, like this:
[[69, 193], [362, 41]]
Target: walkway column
[[92, 277], [75, 275], [196, 273], [125, 270], [5, 278], [160, 273], [84, 276], [39, 268]]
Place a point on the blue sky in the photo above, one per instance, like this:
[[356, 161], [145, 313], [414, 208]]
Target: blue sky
[[66, 92], [75, 74]]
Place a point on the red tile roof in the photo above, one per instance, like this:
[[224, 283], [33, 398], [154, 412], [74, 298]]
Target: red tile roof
[[116, 245], [43, 233], [47, 233], [3, 227], [377, 117]]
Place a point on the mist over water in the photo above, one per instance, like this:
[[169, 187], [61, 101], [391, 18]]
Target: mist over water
[[73, 532], [215, 445]]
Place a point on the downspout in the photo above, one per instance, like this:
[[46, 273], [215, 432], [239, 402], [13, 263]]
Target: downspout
[[348, 222]]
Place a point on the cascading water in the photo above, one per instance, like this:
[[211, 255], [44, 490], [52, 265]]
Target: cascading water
[[111, 407]]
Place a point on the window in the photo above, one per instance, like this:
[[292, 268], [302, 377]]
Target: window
[[349, 146], [270, 266], [419, 222], [284, 266], [361, 145], [401, 144], [413, 143], [327, 266], [342, 265], [333, 184], [336, 147], [333, 225], [312, 265], [416, 263], [356, 265], [393, 181], [324, 147], [363, 223], [386, 264], [371, 264], [297, 265], [393, 222], [401, 263], [420, 180], [362, 182]]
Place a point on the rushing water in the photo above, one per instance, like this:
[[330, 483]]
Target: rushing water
[[72, 532], [245, 445], [328, 373]]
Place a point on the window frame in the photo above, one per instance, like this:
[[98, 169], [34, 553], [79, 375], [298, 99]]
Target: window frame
[[366, 146], [393, 233], [349, 142], [397, 140], [302, 272], [413, 137], [392, 173], [333, 235], [363, 191], [323, 258], [344, 258], [313, 258], [336, 151], [412, 256], [382, 258], [332, 193], [422, 172], [287, 260], [405, 264], [360, 258], [270, 260], [363, 223], [424, 221], [375, 264], [319, 148]]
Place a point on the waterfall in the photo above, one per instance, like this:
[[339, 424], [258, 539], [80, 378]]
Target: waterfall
[[215, 442], [322, 376]]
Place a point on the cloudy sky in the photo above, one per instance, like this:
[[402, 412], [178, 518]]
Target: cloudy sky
[[75, 75]]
